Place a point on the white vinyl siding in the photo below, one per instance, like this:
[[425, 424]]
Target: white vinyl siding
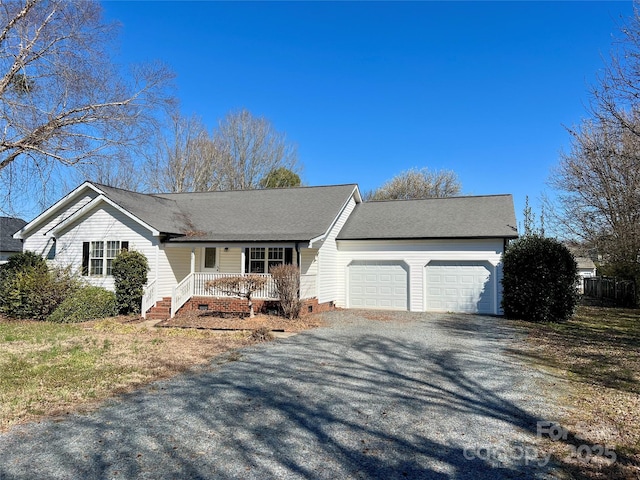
[[174, 266], [231, 260], [309, 261], [39, 241], [416, 254], [102, 224], [331, 282]]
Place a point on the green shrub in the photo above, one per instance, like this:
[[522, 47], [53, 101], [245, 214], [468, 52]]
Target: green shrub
[[21, 262], [129, 271], [30, 289], [86, 303], [539, 280]]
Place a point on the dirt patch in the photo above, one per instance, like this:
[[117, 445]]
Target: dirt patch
[[198, 320]]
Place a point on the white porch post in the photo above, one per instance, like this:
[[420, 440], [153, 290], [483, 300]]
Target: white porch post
[[193, 270], [242, 261]]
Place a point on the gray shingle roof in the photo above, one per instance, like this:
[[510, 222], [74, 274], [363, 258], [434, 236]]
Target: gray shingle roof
[[286, 214], [585, 263], [161, 213], [453, 217], [9, 226]]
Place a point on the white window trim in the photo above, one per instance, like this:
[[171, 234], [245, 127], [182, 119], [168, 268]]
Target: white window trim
[[266, 260], [104, 257]]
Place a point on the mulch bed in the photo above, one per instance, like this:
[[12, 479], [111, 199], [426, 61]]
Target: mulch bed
[[272, 322]]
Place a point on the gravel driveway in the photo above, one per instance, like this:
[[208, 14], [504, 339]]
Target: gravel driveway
[[413, 396]]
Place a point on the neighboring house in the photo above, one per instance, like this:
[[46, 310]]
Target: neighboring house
[[419, 255], [586, 269], [9, 245]]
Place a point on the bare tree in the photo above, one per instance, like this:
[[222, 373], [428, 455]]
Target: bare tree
[[182, 158], [598, 185], [615, 96], [248, 148], [416, 184], [598, 181], [287, 282], [243, 286], [243, 152], [62, 100]]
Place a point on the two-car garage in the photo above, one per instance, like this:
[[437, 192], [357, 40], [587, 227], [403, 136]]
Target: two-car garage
[[447, 286], [428, 255]]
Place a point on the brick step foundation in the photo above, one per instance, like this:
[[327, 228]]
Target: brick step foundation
[[161, 310], [230, 306]]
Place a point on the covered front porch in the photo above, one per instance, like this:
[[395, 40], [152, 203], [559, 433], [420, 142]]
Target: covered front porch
[[210, 262]]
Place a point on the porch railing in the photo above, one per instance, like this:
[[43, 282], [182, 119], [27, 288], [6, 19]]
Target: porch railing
[[149, 298], [194, 285], [181, 294], [267, 292]]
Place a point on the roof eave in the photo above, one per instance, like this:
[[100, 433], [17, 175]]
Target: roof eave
[[20, 234], [457, 237], [355, 194], [93, 204]]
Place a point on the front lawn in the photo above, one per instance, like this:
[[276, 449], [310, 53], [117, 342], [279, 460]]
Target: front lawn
[[598, 351], [51, 369]]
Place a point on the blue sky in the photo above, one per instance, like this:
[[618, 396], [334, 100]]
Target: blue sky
[[367, 90]]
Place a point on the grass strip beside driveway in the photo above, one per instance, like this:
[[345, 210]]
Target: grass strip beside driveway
[[51, 369], [598, 350]]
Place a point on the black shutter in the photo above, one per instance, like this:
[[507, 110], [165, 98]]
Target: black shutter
[[124, 246], [85, 258], [246, 260], [288, 256]]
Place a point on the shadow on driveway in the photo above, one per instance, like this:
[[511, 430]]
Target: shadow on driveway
[[427, 397]]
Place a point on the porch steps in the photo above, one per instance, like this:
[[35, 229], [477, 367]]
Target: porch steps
[[161, 310]]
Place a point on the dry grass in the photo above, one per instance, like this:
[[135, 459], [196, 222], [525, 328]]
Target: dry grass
[[598, 350], [50, 369], [207, 321]]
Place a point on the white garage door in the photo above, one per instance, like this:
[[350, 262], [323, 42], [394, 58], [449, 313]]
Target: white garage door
[[459, 287], [378, 285]]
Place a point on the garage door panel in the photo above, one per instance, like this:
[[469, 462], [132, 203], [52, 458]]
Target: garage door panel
[[459, 287], [378, 285]]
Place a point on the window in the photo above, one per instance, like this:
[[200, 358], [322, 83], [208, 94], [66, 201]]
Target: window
[[262, 259], [97, 257], [256, 260], [112, 250], [276, 257], [209, 258]]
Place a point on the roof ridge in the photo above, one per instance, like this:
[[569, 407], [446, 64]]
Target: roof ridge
[[257, 189], [438, 198]]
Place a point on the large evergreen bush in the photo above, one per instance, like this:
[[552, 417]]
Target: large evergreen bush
[[129, 270], [30, 289], [86, 303], [539, 280]]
